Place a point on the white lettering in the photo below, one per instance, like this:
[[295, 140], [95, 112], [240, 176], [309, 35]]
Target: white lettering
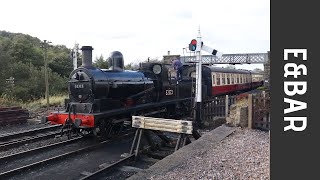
[[293, 107], [296, 89], [292, 126], [295, 53], [295, 71]]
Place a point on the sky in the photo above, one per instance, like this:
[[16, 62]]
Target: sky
[[143, 28]]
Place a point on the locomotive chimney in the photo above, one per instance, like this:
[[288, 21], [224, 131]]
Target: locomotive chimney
[[86, 56]]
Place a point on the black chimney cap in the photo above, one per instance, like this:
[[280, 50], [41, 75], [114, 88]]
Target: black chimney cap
[[86, 48]]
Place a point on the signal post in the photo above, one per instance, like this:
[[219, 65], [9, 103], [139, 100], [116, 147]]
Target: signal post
[[197, 45]]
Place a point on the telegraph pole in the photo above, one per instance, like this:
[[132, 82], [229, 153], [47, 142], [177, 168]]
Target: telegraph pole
[[45, 46]]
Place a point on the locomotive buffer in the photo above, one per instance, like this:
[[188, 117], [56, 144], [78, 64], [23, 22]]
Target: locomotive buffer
[[197, 45]]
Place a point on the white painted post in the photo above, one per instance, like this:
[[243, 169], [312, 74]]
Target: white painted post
[[198, 80]]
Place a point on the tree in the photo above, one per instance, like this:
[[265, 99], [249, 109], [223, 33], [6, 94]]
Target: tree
[[128, 66], [21, 57], [101, 63]]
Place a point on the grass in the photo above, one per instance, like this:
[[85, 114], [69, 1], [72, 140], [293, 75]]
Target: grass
[[56, 100], [263, 88]]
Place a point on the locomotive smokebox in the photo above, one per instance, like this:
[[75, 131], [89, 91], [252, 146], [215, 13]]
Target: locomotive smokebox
[[86, 56], [116, 61]]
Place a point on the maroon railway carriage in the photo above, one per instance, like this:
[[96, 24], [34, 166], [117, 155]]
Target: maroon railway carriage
[[229, 81]]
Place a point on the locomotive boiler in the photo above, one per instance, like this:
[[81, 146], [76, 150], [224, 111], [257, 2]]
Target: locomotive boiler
[[95, 90]]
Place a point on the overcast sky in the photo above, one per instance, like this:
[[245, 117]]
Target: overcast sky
[[143, 28]]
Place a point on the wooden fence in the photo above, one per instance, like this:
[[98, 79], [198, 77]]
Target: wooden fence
[[217, 107], [259, 111]]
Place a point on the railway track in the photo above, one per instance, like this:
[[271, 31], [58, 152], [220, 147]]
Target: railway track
[[37, 164], [12, 166], [131, 163], [7, 136], [127, 164], [22, 154], [11, 140], [110, 168]]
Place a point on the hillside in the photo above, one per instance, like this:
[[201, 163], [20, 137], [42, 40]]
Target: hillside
[[22, 58]]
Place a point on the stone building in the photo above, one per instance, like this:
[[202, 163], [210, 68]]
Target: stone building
[[168, 58]]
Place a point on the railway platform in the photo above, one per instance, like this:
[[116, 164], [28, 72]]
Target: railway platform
[[223, 153]]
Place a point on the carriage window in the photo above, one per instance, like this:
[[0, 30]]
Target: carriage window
[[245, 78], [218, 79], [213, 80], [228, 78], [223, 79], [240, 77], [232, 80]]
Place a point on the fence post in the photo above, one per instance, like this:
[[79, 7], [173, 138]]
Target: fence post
[[250, 110], [264, 98], [227, 105]]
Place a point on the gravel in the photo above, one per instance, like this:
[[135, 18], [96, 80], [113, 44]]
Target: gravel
[[242, 155]]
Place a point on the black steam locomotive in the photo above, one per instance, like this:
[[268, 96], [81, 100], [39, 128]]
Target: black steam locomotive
[[104, 100]]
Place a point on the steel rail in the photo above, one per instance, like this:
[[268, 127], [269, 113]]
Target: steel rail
[[19, 142], [34, 165], [109, 168], [38, 150], [27, 132]]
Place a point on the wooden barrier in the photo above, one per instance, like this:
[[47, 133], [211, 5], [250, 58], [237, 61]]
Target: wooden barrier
[[182, 127]]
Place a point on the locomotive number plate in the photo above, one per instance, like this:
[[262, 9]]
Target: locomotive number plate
[[78, 86], [169, 92]]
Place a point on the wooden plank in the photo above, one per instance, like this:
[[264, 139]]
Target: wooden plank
[[169, 125]]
